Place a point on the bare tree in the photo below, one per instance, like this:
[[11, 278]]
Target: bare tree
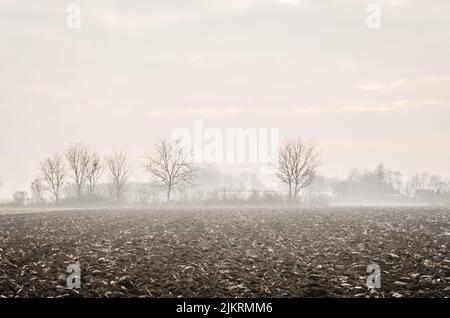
[[419, 181], [78, 158], [119, 172], [94, 172], [380, 173], [170, 165], [20, 197], [53, 174], [380, 177], [395, 177], [436, 183], [297, 164], [37, 190]]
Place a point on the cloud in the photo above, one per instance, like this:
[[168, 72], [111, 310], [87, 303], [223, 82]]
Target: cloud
[[346, 65], [370, 87], [243, 4], [407, 83], [397, 106], [394, 3], [239, 4], [212, 112], [6, 4], [56, 38], [132, 21], [340, 109], [289, 1], [195, 59], [200, 112], [52, 93]]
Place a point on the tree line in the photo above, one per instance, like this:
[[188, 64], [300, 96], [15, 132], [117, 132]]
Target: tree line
[[84, 169], [167, 165], [381, 185], [82, 175]]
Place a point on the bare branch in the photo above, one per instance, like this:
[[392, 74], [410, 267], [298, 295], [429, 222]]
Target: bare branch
[[170, 165], [78, 157], [37, 190], [119, 172], [298, 161], [94, 172], [53, 174]]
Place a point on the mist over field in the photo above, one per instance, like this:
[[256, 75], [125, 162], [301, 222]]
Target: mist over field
[[224, 148]]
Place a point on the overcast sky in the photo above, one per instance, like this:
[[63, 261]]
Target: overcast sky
[[136, 70]]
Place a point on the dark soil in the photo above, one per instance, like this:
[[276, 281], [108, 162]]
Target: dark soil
[[227, 252]]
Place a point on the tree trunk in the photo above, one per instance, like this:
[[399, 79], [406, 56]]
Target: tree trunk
[[117, 194], [169, 188], [295, 193]]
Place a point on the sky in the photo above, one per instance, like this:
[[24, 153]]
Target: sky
[[136, 70]]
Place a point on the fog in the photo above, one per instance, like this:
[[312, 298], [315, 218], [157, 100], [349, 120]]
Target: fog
[[224, 154], [133, 73]]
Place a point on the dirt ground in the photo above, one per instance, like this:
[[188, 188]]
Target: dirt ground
[[226, 252]]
